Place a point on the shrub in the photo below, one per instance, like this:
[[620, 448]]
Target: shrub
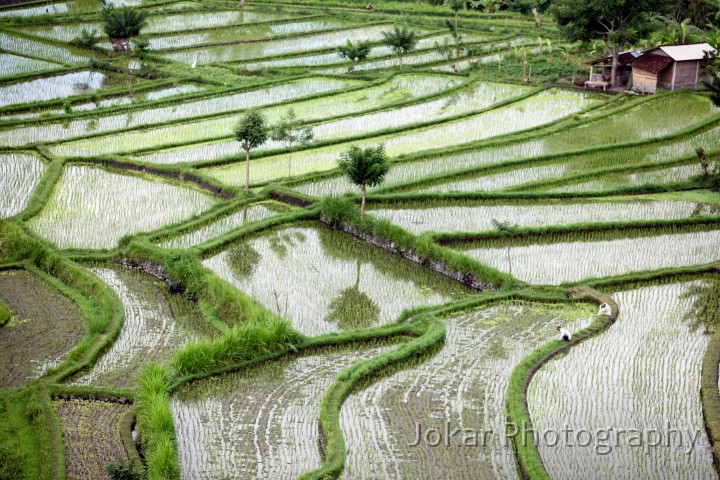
[[87, 38], [123, 470]]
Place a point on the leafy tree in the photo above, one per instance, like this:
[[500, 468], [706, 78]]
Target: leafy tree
[[455, 6], [123, 22], [401, 41], [528, 6], [365, 168], [487, 6], [123, 470], [506, 230], [356, 53], [618, 22], [251, 132], [290, 131]]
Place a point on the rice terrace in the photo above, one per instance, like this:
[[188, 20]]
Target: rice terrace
[[333, 239]]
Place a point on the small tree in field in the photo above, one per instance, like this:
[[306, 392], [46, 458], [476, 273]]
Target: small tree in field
[[455, 6], [401, 41], [507, 231], [251, 132], [290, 131], [356, 53], [364, 168]]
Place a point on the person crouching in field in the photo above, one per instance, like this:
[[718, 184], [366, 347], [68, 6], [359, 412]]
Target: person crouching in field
[[564, 334]]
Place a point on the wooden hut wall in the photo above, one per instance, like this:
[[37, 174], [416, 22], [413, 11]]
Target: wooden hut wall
[[686, 74], [643, 81]]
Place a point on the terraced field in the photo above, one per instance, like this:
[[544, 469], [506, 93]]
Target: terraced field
[[157, 315]]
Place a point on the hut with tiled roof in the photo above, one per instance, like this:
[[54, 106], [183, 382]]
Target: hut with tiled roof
[[671, 67]]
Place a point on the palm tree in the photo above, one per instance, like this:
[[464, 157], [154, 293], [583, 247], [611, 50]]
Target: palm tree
[[123, 23], [356, 53], [365, 168], [401, 41], [251, 132]]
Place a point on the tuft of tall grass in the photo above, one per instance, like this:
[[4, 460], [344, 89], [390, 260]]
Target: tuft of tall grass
[[5, 313], [240, 343]]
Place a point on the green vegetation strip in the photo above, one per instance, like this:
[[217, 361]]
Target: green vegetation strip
[[5, 313], [710, 392], [530, 463], [342, 213]]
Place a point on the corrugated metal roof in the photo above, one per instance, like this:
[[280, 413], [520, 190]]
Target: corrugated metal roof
[[624, 58], [694, 51]]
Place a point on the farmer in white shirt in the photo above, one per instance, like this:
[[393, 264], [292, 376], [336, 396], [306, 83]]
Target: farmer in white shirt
[[564, 334]]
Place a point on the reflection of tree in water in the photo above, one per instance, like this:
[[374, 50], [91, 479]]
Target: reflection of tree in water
[[279, 242], [243, 259], [353, 308], [705, 311], [705, 209]]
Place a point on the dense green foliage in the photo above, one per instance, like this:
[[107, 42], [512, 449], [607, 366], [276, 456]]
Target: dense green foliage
[[364, 168], [400, 40], [355, 52], [251, 132], [123, 22]]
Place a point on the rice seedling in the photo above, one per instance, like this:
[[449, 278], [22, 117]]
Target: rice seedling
[[53, 8], [91, 436], [324, 280], [477, 217], [260, 422], [550, 144], [534, 111], [480, 97], [40, 50], [157, 323], [14, 64], [69, 32], [643, 374], [83, 210], [252, 213], [148, 116], [43, 328], [499, 181], [19, 174], [231, 53], [461, 389], [662, 175], [49, 88], [574, 261], [197, 20], [427, 43], [109, 102], [332, 58], [244, 34]]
